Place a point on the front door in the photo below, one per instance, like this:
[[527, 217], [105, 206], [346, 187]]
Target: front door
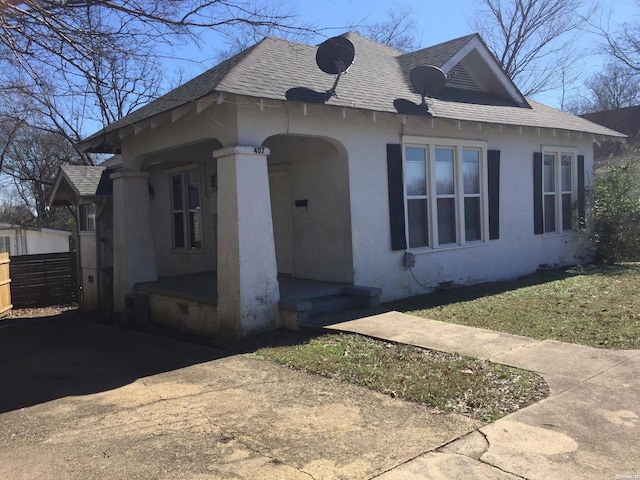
[[282, 215]]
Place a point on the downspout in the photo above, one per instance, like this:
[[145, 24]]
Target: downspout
[[99, 255], [78, 255]]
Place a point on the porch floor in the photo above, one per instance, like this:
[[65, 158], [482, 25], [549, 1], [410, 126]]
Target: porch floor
[[203, 287]]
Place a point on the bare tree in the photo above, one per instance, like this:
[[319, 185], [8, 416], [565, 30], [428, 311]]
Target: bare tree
[[31, 159], [399, 31], [68, 67], [623, 42], [531, 39], [616, 86]]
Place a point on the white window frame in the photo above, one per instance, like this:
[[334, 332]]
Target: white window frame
[[184, 171], [457, 145], [558, 191], [5, 244], [87, 213]]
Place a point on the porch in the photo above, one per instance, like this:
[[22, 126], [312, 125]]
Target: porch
[[171, 300]]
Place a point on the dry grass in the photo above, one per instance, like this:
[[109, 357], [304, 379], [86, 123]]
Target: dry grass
[[445, 382], [598, 306]]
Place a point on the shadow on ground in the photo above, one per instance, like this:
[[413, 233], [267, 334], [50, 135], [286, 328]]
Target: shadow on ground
[[454, 294], [72, 355]]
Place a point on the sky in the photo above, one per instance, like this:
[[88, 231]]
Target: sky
[[442, 20]]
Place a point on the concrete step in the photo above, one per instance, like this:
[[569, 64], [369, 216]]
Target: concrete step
[[297, 310], [332, 303]]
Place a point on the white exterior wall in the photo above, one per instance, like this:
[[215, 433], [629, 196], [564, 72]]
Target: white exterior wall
[[46, 241], [89, 270], [365, 136]]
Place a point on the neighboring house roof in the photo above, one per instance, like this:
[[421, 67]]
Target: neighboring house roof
[[625, 120], [82, 182], [477, 88]]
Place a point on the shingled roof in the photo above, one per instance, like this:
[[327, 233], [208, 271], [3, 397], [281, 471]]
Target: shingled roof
[[625, 120], [80, 181], [378, 80]]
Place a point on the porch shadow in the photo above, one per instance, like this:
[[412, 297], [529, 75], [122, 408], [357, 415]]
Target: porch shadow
[[73, 356]]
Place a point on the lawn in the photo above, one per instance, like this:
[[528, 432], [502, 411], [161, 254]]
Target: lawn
[[444, 382], [598, 306]]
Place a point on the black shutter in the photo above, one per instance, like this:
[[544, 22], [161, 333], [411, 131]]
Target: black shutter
[[538, 220], [581, 192], [493, 170], [396, 196]]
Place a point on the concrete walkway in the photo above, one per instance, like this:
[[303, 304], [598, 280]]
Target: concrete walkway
[[589, 427], [84, 401]]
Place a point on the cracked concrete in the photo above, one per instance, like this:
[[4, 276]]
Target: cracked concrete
[[587, 428], [85, 401]]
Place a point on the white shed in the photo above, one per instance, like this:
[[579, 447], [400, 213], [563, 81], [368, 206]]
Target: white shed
[[22, 240]]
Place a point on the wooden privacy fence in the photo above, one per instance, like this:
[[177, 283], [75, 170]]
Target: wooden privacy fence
[[44, 280], [5, 284]]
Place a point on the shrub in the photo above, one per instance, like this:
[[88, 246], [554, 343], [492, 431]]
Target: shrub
[[616, 211]]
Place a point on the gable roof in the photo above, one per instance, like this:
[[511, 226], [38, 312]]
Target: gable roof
[[378, 80], [80, 182], [625, 120]]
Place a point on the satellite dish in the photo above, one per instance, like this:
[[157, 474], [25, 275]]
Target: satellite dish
[[335, 56], [427, 80]]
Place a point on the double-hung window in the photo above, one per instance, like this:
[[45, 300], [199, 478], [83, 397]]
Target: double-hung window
[[445, 192], [559, 189], [87, 217], [186, 215], [5, 245]]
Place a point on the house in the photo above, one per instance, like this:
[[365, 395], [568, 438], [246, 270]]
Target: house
[[87, 190], [280, 182], [24, 240], [625, 120]]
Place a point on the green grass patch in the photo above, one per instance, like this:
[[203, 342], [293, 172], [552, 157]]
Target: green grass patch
[[598, 306], [442, 381]]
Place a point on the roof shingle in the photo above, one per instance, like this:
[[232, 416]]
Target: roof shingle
[[378, 80]]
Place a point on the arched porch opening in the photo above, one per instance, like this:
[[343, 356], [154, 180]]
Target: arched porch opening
[[310, 204]]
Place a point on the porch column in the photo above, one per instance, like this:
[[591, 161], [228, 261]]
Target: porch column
[[248, 291], [133, 252]]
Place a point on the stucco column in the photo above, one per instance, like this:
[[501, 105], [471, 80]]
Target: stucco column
[[248, 291], [133, 252]]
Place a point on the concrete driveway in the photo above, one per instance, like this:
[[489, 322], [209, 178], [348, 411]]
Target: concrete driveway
[[589, 427], [84, 401]]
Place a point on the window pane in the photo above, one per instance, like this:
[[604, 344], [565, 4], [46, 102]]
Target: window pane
[[82, 217], [417, 217], [194, 189], [549, 213], [566, 172], [567, 217], [91, 217], [549, 173], [415, 171], [195, 230], [444, 171], [178, 230], [471, 173], [176, 190], [446, 221], [472, 219]]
